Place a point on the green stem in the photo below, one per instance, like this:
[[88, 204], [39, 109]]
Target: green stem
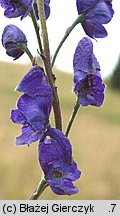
[[47, 63], [41, 11], [75, 110], [36, 27], [38, 191], [69, 30], [26, 50]]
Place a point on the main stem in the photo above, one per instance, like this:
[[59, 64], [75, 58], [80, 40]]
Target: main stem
[[75, 110], [47, 63], [79, 19]]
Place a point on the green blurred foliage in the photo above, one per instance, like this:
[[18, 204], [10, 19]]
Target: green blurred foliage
[[115, 77]]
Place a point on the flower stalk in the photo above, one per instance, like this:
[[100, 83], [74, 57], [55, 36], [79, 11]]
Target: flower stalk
[[26, 50], [75, 110], [38, 191], [79, 19], [36, 27]]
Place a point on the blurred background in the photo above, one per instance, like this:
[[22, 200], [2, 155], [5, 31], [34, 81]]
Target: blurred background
[[94, 136]]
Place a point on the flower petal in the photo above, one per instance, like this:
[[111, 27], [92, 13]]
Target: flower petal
[[57, 147], [35, 83], [62, 140], [72, 172], [90, 91], [84, 60], [94, 29], [65, 188], [47, 9], [36, 110], [53, 150], [17, 117], [85, 5], [102, 13], [28, 136], [16, 8]]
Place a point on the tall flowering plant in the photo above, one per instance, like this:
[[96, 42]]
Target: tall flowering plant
[[39, 92]]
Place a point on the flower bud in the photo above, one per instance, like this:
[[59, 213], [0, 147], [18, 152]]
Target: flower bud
[[12, 37]]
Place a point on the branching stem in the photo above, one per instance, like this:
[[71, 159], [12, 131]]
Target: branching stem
[[79, 19]]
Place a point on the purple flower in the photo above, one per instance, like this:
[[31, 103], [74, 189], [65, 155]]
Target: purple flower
[[97, 12], [55, 157], [87, 79], [47, 9], [21, 8], [33, 107], [16, 8], [12, 37]]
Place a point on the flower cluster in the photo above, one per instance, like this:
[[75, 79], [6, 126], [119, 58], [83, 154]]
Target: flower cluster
[[38, 91], [87, 78], [55, 154]]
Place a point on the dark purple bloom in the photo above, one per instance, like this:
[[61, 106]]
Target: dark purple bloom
[[87, 79], [97, 12], [21, 8], [12, 37], [47, 9], [55, 157], [33, 107], [16, 8]]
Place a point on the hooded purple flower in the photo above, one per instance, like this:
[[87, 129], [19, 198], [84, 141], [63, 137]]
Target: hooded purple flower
[[33, 107], [55, 157], [21, 8], [97, 12], [87, 79], [12, 37], [16, 8]]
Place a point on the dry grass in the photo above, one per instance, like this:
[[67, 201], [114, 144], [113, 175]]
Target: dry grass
[[94, 137]]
